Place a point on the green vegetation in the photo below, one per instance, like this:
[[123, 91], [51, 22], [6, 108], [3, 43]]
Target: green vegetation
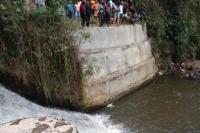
[[40, 50], [174, 27]]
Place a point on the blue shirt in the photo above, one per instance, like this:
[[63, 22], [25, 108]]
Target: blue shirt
[[70, 8]]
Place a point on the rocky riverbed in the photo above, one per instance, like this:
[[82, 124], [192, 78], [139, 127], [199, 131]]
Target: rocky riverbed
[[187, 70]]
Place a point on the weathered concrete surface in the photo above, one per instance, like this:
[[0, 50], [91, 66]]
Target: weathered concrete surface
[[116, 60], [38, 125]]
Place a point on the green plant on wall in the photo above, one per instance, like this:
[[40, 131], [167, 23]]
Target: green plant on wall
[[90, 68]]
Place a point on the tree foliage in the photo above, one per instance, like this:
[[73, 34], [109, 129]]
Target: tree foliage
[[174, 26], [41, 50]]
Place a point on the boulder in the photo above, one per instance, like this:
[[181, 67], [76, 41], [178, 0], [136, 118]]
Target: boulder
[[38, 125]]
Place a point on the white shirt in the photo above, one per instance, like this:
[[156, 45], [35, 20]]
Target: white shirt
[[120, 9], [115, 6], [111, 4], [79, 5]]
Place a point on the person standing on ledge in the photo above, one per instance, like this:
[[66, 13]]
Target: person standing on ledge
[[101, 13], [70, 9], [83, 13], [96, 10], [88, 13], [120, 12], [107, 14], [77, 10]]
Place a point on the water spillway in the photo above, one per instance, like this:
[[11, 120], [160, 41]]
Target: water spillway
[[116, 60], [13, 106]]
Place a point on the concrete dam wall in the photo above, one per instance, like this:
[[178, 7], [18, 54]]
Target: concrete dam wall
[[115, 61]]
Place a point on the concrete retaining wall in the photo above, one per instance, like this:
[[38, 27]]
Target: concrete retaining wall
[[116, 60]]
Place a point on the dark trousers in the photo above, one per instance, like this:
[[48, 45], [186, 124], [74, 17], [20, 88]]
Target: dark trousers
[[107, 18], [101, 19], [85, 20], [70, 14]]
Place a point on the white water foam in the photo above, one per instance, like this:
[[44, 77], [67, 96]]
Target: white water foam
[[13, 106]]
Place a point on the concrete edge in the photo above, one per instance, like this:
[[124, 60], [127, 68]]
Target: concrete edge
[[88, 106]]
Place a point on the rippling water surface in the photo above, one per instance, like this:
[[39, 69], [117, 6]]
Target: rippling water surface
[[167, 105]]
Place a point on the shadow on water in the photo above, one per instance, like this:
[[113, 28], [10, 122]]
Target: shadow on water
[[168, 104]]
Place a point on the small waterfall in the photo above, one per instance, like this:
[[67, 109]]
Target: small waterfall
[[13, 106]]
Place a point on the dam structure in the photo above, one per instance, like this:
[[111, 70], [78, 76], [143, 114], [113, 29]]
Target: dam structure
[[115, 61]]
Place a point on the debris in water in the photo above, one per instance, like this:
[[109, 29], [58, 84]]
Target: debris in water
[[110, 105], [161, 73]]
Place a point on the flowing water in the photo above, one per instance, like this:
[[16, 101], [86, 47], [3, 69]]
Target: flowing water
[[167, 105], [13, 106]]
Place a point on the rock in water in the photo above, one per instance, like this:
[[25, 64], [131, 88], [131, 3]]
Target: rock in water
[[38, 125]]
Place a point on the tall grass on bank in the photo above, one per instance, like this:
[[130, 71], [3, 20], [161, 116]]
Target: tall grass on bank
[[40, 50]]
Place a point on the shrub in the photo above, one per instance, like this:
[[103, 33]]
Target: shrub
[[41, 50], [174, 26]]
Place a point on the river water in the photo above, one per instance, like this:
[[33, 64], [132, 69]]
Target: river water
[[167, 105]]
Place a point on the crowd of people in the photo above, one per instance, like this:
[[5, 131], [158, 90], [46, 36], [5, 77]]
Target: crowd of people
[[106, 12]]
